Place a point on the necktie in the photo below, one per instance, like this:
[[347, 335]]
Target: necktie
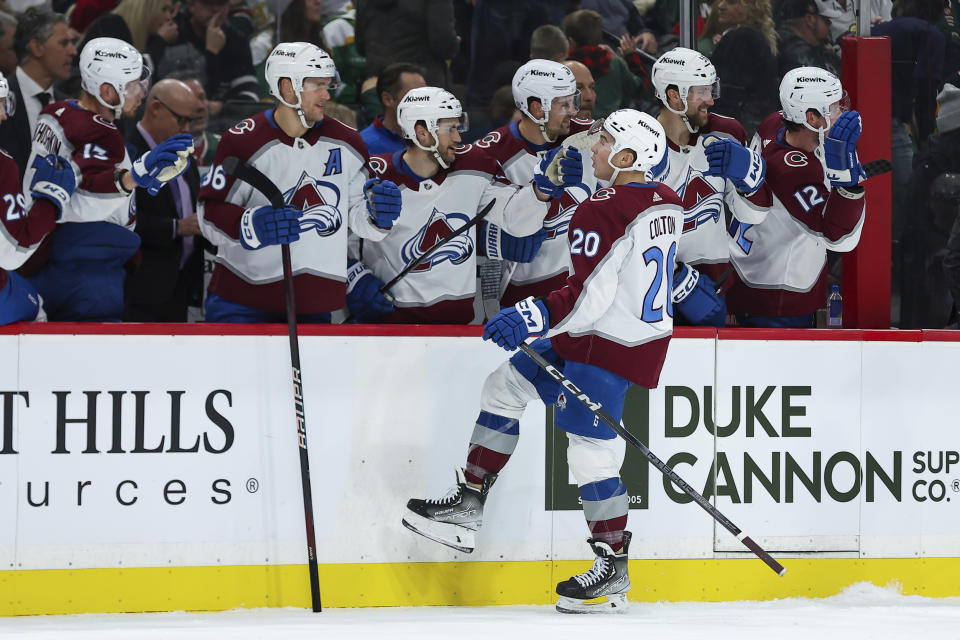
[[44, 98]]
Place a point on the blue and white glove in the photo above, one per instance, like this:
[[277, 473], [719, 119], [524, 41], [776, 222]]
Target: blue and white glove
[[54, 180], [731, 160], [840, 151], [163, 163], [265, 226], [559, 169], [695, 296], [364, 300], [515, 324], [500, 245], [383, 202]]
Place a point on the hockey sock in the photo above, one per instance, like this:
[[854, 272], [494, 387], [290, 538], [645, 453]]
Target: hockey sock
[[605, 506], [491, 445]]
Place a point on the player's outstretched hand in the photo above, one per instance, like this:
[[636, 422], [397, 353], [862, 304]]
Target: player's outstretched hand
[[163, 163], [695, 295], [383, 202], [560, 167], [364, 300], [523, 248], [731, 160], [840, 151], [264, 226], [54, 180], [515, 324]]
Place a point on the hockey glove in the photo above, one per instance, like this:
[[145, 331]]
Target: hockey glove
[[163, 163], [695, 296], [515, 324], [559, 168], [383, 202], [731, 160], [54, 180], [19, 300], [840, 151], [265, 226], [364, 300], [500, 245]]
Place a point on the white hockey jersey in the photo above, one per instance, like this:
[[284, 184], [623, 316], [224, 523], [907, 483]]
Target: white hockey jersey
[[519, 158], [704, 240], [321, 173], [443, 287]]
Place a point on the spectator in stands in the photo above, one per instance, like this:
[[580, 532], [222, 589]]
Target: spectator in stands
[[804, 38], [746, 61], [549, 42], [8, 57], [500, 32], [86, 11], [843, 17], [146, 24], [616, 84], [384, 134], [417, 31], [621, 18], [45, 50], [951, 265], [204, 142], [586, 86], [503, 110], [169, 277], [206, 38]]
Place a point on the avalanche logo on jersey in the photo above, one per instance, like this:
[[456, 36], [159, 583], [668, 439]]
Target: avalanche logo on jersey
[[558, 218], [701, 202], [438, 226], [318, 200]]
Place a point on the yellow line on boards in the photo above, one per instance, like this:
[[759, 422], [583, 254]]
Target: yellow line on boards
[[452, 583]]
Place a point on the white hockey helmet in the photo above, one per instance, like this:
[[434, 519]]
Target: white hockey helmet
[[429, 105], [814, 88], [640, 133], [4, 92], [117, 63], [545, 81], [298, 61], [683, 68]]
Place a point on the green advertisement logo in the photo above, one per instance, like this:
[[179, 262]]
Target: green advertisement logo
[[563, 495]]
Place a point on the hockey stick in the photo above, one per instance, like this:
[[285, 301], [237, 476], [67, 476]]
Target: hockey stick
[[255, 178], [429, 252], [652, 457], [877, 167]]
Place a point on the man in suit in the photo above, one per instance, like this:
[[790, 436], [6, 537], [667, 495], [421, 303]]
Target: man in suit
[[169, 277], [44, 44]]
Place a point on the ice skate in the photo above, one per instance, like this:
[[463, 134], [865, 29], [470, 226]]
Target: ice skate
[[608, 578], [453, 519]]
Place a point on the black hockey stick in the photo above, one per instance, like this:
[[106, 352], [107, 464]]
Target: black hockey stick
[[654, 460], [255, 178], [475, 220], [877, 167]]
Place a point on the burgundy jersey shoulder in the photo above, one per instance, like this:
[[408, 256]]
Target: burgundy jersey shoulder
[[385, 169], [82, 127], [248, 136], [769, 127], [9, 174], [724, 124], [789, 167], [579, 125], [333, 128], [501, 144], [474, 158]]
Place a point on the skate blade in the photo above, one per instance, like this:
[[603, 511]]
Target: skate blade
[[453, 536], [614, 603]]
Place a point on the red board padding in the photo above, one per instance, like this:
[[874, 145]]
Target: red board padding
[[866, 270]]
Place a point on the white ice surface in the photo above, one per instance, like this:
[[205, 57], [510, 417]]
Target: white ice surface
[[861, 612]]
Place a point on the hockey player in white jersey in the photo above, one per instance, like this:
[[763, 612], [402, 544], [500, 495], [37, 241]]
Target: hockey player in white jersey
[[84, 275], [810, 147], [606, 328], [443, 186], [709, 168], [320, 166], [546, 94]]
